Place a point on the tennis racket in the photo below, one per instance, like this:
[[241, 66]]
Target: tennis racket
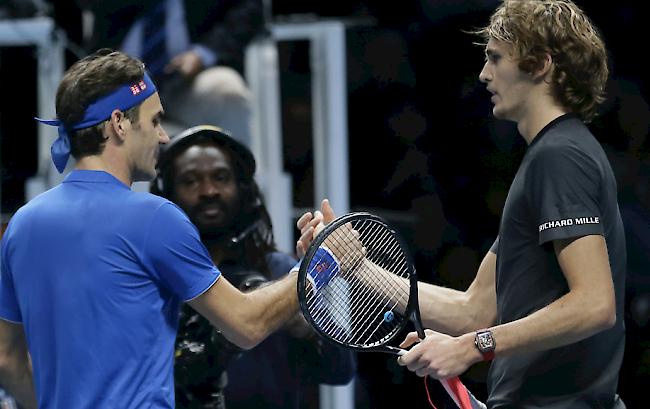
[[358, 288]]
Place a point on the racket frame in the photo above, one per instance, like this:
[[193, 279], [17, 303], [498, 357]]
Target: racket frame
[[412, 311]]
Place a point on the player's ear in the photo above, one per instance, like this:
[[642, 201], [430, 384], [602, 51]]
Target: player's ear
[[116, 124], [544, 68]]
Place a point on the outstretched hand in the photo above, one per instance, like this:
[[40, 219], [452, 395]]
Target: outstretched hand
[[310, 224]]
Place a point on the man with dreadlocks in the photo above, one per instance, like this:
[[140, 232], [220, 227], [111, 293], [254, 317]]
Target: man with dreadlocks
[[210, 176]]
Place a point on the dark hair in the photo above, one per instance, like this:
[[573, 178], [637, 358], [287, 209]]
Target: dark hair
[[535, 28], [252, 233], [85, 82]]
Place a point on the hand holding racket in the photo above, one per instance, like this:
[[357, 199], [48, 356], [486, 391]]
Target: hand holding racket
[[358, 288]]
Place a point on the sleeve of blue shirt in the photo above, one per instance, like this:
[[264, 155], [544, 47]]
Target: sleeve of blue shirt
[[175, 256], [9, 309]]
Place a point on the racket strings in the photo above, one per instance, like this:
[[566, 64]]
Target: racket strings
[[347, 307], [350, 312], [386, 255], [363, 300]]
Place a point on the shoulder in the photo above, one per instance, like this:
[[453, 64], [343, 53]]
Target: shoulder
[[151, 203], [165, 215], [569, 133], [147, 199], [566, 145], [33, 207]]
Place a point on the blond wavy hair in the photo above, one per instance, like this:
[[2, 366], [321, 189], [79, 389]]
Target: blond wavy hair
[[535, 28]]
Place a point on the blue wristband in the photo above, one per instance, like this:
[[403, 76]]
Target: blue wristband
[[322, 268]]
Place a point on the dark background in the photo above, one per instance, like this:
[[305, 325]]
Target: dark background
[[425, 151]]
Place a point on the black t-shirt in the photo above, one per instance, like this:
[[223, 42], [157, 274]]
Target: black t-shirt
[[564, 188]]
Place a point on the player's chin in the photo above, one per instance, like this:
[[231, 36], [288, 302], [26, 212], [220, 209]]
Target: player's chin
[[500, 112]]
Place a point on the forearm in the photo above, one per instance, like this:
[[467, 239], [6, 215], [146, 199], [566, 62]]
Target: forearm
[[16, 378], [567, 320], [589, 306], [449, 311], [272, 307], [570, 319], [442, 309], [245, 319], [15, 365]]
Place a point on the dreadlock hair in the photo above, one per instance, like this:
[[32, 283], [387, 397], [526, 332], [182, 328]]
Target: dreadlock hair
[[252, 234]]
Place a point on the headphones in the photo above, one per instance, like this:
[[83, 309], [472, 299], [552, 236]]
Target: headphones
[[183, 140], [241, 157], [248, 230]]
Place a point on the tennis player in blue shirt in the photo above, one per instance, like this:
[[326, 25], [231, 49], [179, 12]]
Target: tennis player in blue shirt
[[94, 274]]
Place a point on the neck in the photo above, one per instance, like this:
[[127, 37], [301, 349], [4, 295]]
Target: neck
[[530, 128], [541, 107], [107, 164], [542, 111]]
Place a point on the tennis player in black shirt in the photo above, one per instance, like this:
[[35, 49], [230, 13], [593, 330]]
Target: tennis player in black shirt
[[547, 301]]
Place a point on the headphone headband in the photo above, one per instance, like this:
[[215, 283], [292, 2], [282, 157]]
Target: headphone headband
[[216, 134]]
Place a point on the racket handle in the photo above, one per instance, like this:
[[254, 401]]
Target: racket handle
[[459, 393]]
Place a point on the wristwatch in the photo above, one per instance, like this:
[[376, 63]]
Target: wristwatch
[[485, 343]]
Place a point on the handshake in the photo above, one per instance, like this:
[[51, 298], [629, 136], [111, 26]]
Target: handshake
[[332, 252]]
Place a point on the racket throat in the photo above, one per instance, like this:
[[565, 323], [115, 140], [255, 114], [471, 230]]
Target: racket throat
[[417, 322]]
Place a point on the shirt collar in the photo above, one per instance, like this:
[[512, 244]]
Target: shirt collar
[[93, 176], [544, 131]]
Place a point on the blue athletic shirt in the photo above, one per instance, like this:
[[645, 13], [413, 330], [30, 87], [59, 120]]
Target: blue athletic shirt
[[97, 273]]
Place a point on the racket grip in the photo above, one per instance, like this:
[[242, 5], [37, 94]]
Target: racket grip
[[460, 394]]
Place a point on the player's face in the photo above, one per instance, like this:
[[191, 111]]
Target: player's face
[[146, 136], [205, 187], [509, 85]]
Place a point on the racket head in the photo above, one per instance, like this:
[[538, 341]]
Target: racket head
[[340, 307]]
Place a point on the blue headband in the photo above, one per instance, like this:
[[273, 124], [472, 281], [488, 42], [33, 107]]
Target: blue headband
[[123, 98]]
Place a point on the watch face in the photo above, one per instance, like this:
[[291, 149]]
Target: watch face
[[485, 342]]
